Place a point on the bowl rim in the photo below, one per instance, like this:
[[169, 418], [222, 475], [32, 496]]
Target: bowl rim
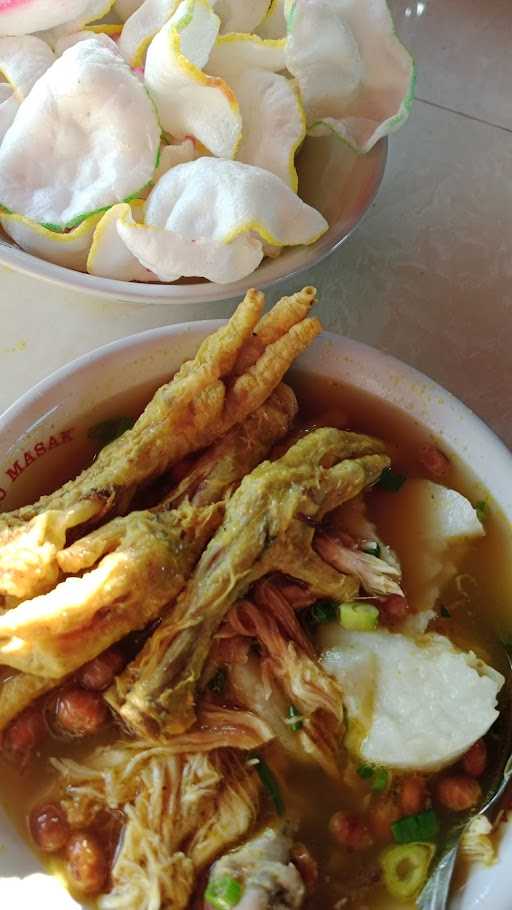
[[272, 272], [361, 351]]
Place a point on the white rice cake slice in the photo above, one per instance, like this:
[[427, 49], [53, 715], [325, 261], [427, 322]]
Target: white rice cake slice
[[441, 526], [412, 704]]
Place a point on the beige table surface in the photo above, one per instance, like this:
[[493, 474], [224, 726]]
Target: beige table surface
[[427, 277]]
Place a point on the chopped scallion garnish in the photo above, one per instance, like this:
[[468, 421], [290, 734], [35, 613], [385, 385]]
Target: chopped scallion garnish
[[323, 611], [294, 719], [423, 827], [391, 481], [405, 869], [378, 778], [359, 617], [371, 547], [217, 683], [223, 893], [481, 509], [271, 785], [365, 771]]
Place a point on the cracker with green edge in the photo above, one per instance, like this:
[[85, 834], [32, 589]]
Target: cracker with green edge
[[69, 249], [355, 77], [86, 97]]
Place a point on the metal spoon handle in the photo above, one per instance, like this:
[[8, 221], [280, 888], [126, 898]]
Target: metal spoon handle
[[435, 893]]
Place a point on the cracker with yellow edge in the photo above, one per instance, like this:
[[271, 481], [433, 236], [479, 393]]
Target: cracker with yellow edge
[[69, 249], [218, 199], [141, 27], [241, 15], [94, 10], [23, 60], [126, 8], [274, 23], [237, 52], [189, 102], [132, 251], [21, 18], [109, 257], [59, 184]]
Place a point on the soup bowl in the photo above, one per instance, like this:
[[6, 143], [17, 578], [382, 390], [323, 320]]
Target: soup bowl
[[332, 178], [44, 432]]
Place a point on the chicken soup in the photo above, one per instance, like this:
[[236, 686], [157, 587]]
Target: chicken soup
[[250, 654]]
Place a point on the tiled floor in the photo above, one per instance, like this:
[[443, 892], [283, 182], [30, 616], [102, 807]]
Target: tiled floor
[[428, 276]]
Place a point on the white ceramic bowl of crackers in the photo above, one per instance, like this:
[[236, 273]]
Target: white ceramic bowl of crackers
[[183, 152]]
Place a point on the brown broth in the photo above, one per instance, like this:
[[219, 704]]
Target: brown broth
[[310, 797]]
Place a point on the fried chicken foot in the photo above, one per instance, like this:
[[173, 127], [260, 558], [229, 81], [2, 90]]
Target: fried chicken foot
[[144, 561], [203, 401], [268, 526], [138, 563]]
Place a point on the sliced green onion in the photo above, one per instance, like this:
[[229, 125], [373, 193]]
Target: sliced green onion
[[380, 780], [365, 771], [107, 430], [405, 868], [271, 785], [378, 777], [323, 611], [481, 509], [217, 683], [223, 893], [295, 720], [445, 613], [371, 547], [391, 481], [359, 617], [422, 827]]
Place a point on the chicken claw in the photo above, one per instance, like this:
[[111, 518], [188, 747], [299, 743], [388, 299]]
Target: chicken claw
[[202, 402], [267, 527], [139, 563]]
